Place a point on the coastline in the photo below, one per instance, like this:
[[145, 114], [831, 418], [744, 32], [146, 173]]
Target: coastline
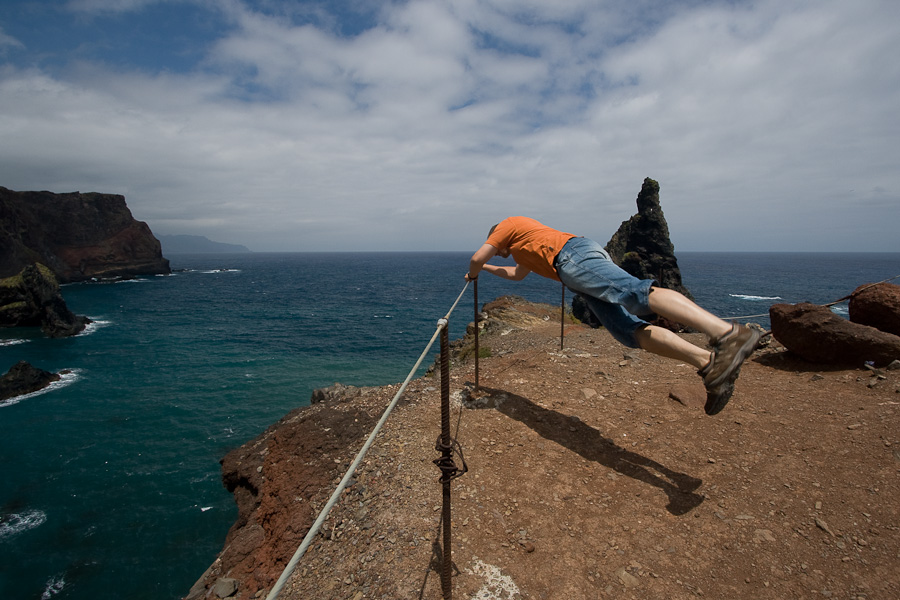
[[582, 462]]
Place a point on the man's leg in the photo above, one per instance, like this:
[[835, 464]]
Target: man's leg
[[666, 343], [732, 344], [615, 296], [676, 307]]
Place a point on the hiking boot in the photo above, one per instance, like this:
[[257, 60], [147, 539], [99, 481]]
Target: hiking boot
[[729, 352], [717, 397]]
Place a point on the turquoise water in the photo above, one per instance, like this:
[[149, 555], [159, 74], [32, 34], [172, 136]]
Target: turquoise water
[[111, 482]]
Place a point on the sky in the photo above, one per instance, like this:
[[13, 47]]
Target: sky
[[378, 125]]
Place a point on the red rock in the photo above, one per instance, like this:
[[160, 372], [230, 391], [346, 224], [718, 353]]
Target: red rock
[[297, 454], [877, 306], [818, 335]]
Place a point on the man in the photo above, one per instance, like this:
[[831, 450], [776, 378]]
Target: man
[[618, 300]]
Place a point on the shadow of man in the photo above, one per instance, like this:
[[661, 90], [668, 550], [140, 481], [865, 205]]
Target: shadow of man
[[592, 445]]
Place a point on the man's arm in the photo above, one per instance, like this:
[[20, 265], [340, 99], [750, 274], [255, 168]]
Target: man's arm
[[481, 256], [513, 273], [479, 263]]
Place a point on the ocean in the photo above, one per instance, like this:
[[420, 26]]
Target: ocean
[[111, 482]]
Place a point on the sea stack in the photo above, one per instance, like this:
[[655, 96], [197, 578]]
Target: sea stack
[[642, 246]]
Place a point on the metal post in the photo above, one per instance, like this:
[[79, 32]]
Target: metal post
[[475, 290], [562, 317], [446, 446]]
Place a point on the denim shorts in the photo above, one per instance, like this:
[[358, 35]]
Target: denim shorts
[[614, 296]]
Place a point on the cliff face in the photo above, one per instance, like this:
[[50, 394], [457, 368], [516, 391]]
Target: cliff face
[[78, 236]]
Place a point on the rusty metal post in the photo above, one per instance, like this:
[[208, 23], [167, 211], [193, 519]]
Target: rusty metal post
[[475, 290], [562, 317], [446, 447]]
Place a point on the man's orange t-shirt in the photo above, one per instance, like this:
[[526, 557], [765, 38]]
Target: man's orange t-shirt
[[530, 243]]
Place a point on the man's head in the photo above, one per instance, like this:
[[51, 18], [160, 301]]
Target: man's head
[[504, 252]]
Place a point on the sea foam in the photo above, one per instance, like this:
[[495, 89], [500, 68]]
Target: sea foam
[[16, 523], [754, 298], [54, 586], [93, 326]]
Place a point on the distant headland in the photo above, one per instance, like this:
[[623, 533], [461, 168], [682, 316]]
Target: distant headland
[[196, 244]]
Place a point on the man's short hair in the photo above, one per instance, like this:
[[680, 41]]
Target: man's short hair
[[492, 229]]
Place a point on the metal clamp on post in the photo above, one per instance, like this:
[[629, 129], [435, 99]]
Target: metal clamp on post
[[449, 470]]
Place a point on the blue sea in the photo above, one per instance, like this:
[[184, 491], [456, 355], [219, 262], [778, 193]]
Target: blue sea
[[110, 478]]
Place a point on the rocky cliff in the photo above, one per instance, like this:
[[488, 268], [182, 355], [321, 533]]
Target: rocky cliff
[[78, 236]]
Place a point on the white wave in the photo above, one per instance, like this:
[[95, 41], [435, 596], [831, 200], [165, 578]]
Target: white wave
[[16, 523], [841, 310], [11, 342], [66, 377], [754, 298], [213, 271], [93, 326], [113, 280], [54, 586], [382, 316]]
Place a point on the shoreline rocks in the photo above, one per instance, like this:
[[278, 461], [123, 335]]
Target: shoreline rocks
[[32, 299], [24, 378]]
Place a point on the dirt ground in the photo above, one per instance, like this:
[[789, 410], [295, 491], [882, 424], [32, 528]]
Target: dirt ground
[[587, 478]]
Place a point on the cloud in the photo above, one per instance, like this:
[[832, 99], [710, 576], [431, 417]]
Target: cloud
[[112, 6], [7, 41], [436, 119]]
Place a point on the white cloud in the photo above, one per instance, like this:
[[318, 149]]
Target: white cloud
[[422, 131], [7, 41], [112, 6]]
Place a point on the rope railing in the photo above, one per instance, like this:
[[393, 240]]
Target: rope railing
[[323, 514]]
